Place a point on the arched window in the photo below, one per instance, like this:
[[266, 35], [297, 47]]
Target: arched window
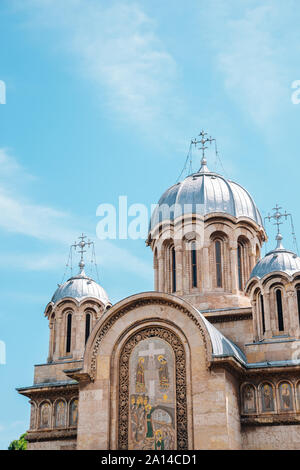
[[69, 332], [279, 310], [262, 311], [240, 265], [218, 252], [173, 268], [87, 326], [194, 264]]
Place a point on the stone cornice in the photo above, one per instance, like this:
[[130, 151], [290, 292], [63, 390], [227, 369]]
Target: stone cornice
[[50, 435], [270, 420]]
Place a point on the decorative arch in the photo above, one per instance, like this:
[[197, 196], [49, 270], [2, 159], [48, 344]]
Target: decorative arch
[[243, 258], [130, 405], [60, 413], [220, 258], [73, 412], [45, 415], [119, 310], [248, 398], [285, 394], [267, 397]]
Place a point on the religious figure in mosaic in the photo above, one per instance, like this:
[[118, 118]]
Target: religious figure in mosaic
[[152, 423], [60, 414], [249, 401], [74, 412], [45, 416], [267, 397], [140, 378], [163, 373], [285, 393]]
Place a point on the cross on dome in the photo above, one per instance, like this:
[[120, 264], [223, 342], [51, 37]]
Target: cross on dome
[[278, 216], [79, 247], [203, 141]]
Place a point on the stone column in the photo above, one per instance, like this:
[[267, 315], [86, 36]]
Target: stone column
[[155, 268], [206, 273], [234, 270], [161, 262], [51, 340], [257, 334], [78, 335], [267, 309], [58, 335], [292, 305], [179, 269]]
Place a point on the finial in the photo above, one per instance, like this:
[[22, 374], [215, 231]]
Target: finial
[[80, 247], [203, 141], [279, 240]]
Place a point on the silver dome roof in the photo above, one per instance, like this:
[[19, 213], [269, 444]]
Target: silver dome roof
[[280, 259], [80, 287], [205, 193]]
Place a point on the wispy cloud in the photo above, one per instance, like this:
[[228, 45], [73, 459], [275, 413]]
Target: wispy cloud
[[58, 229], [251, 43], [118, 49]]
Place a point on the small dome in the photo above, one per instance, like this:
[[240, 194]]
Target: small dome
[[280, 259], [205, 193], [80, 287]]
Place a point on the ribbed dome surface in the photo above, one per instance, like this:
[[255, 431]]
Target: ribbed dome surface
[[80, 287], [205, 193], [280, 259]]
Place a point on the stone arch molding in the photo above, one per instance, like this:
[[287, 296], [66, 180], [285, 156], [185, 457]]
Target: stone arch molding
[[121, 310]]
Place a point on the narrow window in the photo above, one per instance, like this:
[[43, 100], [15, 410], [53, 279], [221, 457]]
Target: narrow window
[[240, 271], [298, 301], [262, 313], [173, 256], [218, 263], [279, 310], [69, 332], [87, 326], [194, 265]]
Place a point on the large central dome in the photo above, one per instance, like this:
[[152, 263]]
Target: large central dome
[[205, 193]]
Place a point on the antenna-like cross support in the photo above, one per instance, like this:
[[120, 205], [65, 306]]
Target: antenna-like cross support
[[277, 216], [202, 141], [80, 249]]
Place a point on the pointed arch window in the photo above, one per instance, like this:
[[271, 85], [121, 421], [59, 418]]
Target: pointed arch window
[[173, 268], [218, 252], [69, 333], [279, 310], [87, 326], [194, 264]]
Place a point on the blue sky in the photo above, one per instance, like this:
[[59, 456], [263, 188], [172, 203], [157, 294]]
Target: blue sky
[[102, 100]]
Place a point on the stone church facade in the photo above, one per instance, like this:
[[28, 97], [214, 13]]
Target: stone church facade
[[208, 360]]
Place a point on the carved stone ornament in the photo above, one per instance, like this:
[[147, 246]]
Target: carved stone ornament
[[141, 303], [180, 374]]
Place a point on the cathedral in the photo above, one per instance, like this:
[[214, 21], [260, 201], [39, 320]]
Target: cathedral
[[210, 359]]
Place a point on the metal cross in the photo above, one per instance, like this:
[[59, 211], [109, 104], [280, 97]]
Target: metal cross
[[277, 216], [202, 141], [79, 247]]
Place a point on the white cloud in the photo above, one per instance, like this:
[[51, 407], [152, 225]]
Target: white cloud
[[116, 46], [250, 43], [53, 226]]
